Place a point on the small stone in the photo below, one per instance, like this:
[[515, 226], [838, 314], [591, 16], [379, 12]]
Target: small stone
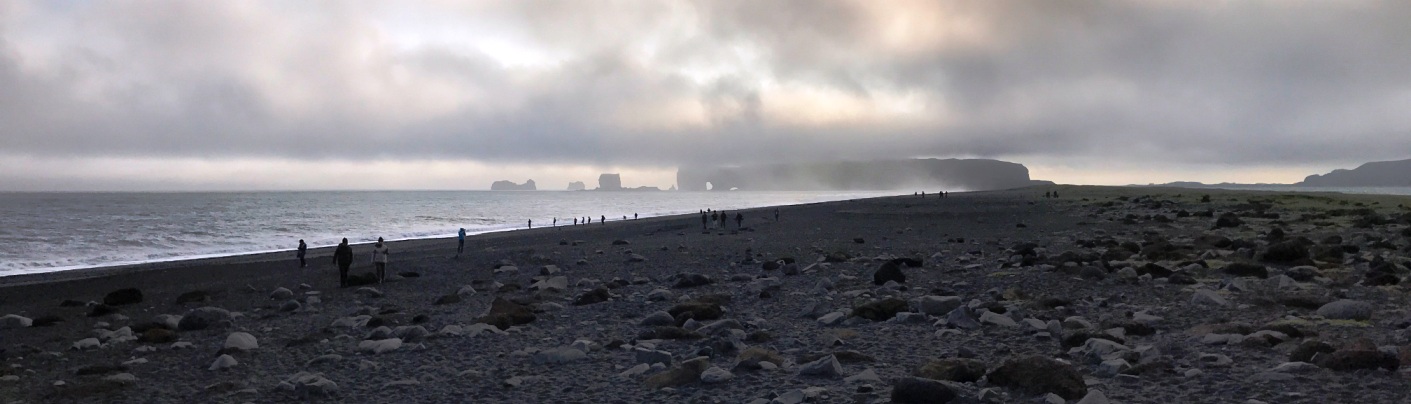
[[223, 362], [865, 376], [1209, 297], [281, 294], [716, 375]]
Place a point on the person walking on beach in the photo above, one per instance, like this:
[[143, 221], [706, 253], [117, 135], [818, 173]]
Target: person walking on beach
[[724, 219], [703, 220], [379, 257], [634, 216], [776, 214], [303, 248], [531, 223], [343, 256], [460, 242], [714, 218], [603, 219], [739, 220]]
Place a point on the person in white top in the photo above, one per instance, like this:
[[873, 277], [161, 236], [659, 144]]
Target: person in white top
[[379, 257]]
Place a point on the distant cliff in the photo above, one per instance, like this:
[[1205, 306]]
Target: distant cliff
[[915, 174], [609, 182], [511, 186], [1374, 174], [577, 186]]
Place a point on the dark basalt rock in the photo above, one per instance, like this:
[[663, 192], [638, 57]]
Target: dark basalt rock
[[691, 281], [889, 271], [1247, 269], [959, 370], [1037, 375], [123, 297], [880, 310], [505, 314], [598, 295], [916, 390]]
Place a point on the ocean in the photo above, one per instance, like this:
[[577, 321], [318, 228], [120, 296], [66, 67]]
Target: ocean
[[46, 232]]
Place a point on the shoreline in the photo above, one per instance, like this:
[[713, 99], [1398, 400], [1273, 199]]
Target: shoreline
[[176, 263]]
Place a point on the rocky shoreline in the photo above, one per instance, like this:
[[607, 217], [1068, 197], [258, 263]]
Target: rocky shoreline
[[1105, 295]]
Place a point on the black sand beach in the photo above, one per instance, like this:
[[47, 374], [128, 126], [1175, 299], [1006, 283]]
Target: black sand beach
[[1128, 295]]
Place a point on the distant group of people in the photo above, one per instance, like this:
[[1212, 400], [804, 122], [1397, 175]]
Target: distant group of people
[[721, 219], [941, 194], [343, 257], [1050, 194]]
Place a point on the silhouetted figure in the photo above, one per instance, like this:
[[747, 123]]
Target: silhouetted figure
[[739, 218], [575, 221], [556, 222], [724, 219], [460, 242], [343, 256], [923, 194], [1047, 194], [714, 219], [589, 220], [776, 214], [531, 223], [634, 216], [303, 248], [603, 219], [379, 258], [1055, 194], [704, 218]]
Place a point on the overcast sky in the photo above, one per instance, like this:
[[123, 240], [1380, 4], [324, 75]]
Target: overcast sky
[[148, 95]]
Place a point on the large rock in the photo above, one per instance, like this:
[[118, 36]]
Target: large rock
[[202, 318], [307, 384], [650, 356], [1347, 310], [559, 355], [598, 295], [1286, 252], [1247, 269], [751, 358], [1360, 355], [1036, 375], [880, 310], [688, 372], [380, 346], [505, 314], [827, 366], [939, 305], [699, 311], [122, 297], [659, 318], [691, 281], [1210, 298], [915, 390], [242, 341], [281, 294], [716, 375], [959, 370], [962, 318], [223, 362], [15, 321], [889, 271]]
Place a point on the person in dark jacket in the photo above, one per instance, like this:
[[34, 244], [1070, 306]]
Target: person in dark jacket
[[303, 248], [343, 256], [739, 219]]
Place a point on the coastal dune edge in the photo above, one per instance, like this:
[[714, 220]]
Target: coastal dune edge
[[1132, 294]]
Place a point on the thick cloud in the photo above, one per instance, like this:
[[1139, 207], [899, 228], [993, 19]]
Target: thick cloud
[[1242, 84]]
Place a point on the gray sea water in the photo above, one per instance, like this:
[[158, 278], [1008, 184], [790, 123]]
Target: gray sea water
[[45, 232]]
